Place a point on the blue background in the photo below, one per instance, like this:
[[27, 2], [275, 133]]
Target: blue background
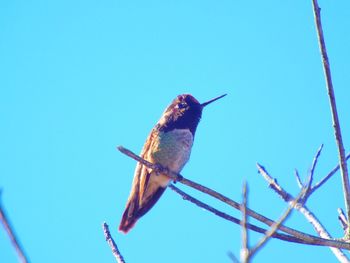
[[78, 78]]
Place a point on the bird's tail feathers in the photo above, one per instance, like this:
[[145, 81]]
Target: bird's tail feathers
[[128, 219], [134, 210]]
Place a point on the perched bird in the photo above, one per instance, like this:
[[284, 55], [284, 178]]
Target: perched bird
[[169, 144]]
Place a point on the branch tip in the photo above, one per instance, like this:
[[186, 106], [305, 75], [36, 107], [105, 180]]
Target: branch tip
[[115, 251]]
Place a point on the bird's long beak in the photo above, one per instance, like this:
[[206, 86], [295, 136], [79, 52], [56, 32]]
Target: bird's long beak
[[212, 100]]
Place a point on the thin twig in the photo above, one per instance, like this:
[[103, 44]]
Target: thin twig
[[235, 220], [343, 220], [179, 178], [245, 253], [273, 184], [279, 222], [314, 162], [11, 233], [116, 253], [311, 175], [297, 176], [320, 229], [327, 177], [332, 101], [232, 257]]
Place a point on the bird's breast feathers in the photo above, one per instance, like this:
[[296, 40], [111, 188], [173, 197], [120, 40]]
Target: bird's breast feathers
[[172, 149]]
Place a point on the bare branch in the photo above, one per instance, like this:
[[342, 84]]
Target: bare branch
[[332, 101], [118, 256], [245, 253], [276, 225], [230, 218], [273, 184], [177, 177], [11, 233], [327, 177], [320, 229]]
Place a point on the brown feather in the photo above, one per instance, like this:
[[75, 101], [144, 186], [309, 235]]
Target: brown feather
[[135, 209], [141, 199]]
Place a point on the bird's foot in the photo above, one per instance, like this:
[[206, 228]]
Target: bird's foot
[[178, 178], [160, 169]]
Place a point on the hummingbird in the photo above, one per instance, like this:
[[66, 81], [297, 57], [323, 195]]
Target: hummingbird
[[169, 144]]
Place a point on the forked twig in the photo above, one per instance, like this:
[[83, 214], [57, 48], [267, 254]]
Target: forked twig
[[327, 177], [301, 207]]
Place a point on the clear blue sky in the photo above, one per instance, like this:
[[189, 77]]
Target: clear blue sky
[[78, 78]]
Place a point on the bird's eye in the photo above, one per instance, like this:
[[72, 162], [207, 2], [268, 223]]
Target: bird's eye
[[181, 105]]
